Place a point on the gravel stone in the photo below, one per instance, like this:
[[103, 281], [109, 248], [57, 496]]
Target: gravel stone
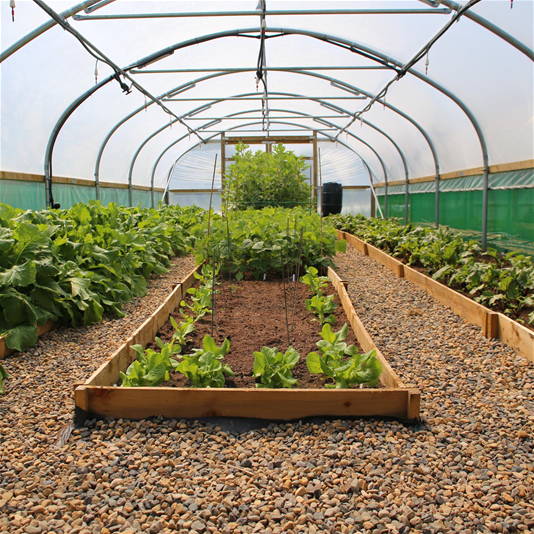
[[468, 466]]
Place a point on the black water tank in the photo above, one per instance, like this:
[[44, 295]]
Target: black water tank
[[332, 198]]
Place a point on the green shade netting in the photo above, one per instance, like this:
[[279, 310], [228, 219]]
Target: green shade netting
[[23, 195], [510, 214]]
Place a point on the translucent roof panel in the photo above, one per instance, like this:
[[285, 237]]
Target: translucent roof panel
[[459, 94]]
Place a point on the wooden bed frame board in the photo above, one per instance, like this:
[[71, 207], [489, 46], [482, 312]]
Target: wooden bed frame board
[[109, 372], [493, 324], [99, 395]]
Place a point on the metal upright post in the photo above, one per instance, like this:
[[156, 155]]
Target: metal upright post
[[485, 189], [315, 165], [437, 201], [406, 196], [385, 197]]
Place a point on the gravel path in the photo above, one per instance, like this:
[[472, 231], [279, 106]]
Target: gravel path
[[469, 468]]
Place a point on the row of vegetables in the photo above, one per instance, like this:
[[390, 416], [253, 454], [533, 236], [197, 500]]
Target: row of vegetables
[[342, 365], [501, 281], [73, 266]]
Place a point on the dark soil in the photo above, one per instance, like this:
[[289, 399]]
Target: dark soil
[[251, 314]]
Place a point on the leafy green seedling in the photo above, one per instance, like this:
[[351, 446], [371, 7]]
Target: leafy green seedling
[[187, 326], [358, 369], [333, 343], [206, 275], [315, 282], [3, 374], [204, 368], [274, 368], [200, 302], [151, 368], [209, 345], [322, 306]]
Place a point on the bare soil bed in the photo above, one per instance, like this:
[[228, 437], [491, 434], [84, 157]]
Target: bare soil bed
[[251, 314]]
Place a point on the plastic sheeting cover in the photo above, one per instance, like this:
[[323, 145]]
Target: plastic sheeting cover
[[494, 80]]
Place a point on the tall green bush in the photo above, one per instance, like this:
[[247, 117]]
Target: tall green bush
[[259, 179]]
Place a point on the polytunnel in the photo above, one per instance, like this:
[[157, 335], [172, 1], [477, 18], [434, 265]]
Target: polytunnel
[[267, 267], [423, 110]]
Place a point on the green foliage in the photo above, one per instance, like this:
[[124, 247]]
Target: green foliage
[[206, 277], [315, 282], [274, 368], [204, 368], [504, 282], [251, 241], [151, 368], [186, 327], [200, 301], [259, 179], [72, 266], [333, 362], [322, 306], [3, 374]]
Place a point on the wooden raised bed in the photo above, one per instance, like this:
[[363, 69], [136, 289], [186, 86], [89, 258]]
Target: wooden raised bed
[[493, 324], [99, 395]]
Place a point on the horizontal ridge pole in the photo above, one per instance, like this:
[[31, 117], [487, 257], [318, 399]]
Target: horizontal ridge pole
[[255, 13]]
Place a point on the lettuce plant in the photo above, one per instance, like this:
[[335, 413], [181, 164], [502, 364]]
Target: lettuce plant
[[206, 275], [358, 369], [200, 302], [187, 326], [151, 368], [72, 266], [204, 368], [274, 368], [333, 362], [315, 282], [322, 306]]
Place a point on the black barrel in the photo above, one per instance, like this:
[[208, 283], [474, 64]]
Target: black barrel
[[332, 198]]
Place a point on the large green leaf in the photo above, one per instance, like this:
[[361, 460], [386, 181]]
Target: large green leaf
[[340, 246], [21, 337], [313, 362], [3, 374], [17, 308], [19, 275], [93, 313], [138, 285], [259, 364], [80, 287]]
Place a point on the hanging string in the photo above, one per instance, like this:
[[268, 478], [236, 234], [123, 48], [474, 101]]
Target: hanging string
[[170, 121], [146, 104], [96, 72], [427, 62], [12, 6], [511, 4]]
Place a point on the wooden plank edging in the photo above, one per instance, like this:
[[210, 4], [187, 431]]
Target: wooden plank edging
[[493, 324], [277, 404], [98, 396], [109, 372]]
